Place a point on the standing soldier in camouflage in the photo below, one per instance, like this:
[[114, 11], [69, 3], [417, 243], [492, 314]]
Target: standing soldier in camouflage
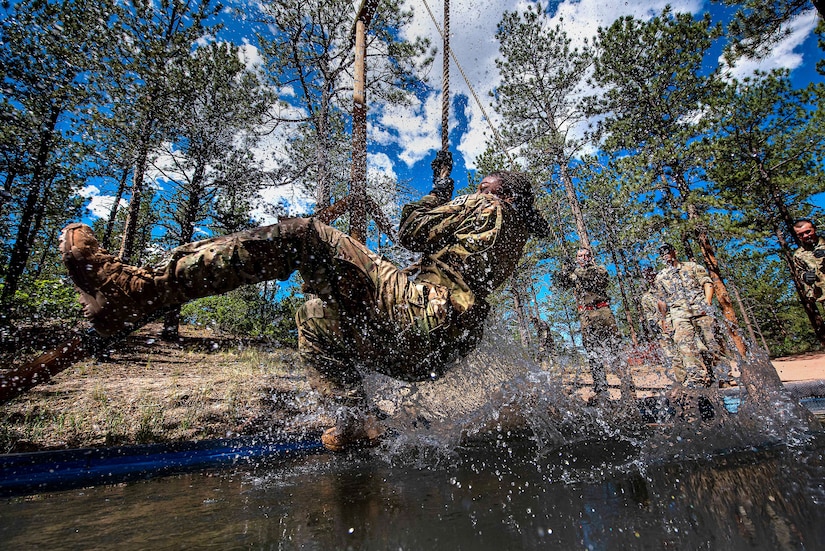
[[546, 345], [687, 290], [600, 334], [410, 324], [659, 324], [809, 259]]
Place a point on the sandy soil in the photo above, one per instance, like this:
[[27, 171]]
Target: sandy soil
[[803, 367], [204, 386]]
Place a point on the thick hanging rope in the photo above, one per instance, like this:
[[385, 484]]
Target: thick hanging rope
[[445, 82], [447, 49]]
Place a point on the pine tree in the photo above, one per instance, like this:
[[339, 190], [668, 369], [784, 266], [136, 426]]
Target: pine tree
[[51, 65], [656, 90]]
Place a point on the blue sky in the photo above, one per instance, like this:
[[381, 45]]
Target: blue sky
[[403, 140]]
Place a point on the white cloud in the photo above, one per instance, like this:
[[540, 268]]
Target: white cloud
[[415, 128], [250, 56], [100, 206], [380, 164], [292, 198], [781, 55]]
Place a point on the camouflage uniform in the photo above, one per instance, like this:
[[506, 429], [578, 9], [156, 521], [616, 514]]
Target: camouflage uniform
[[694, 328], [600, 334], [409, 323], [653, 319], [805, 261]]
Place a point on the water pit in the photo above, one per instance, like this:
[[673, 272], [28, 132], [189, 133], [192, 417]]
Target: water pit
[[497, 455]]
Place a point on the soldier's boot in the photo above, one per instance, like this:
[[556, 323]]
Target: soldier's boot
[[340, 386], [353, 430], [116, 296]]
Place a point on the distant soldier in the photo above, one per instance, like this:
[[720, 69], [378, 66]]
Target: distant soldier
[[658, 322], [600, 334], [687, 290], [546, 346], [809, 259]]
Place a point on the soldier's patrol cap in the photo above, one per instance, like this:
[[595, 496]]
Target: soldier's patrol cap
[[666, 247]]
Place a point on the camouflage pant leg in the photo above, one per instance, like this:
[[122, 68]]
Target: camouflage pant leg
[[600, 337], [672, 357], [221, 264], [323, 349], [718, 363], [685, 336]]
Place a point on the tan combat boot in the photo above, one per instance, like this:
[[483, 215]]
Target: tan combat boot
[[362, 431], [115, 296]]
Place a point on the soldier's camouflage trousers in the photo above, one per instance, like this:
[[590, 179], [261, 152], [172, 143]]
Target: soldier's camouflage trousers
[[367, 314], [601, 340], [702, 357]]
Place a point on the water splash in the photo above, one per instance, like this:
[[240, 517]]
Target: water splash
[[498, 395]]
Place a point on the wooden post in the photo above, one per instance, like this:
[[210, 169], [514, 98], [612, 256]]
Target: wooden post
[[358, 174]]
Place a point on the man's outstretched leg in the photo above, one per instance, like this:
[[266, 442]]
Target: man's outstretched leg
[[116, 296]]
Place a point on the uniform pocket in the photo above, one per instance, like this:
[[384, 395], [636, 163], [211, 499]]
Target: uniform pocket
[[428, 306]]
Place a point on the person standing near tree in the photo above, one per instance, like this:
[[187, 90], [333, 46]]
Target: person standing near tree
[[809, 259], [687, 291], [659, 325], [600, 333]]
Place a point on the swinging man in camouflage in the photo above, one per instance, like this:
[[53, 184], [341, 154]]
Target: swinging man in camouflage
[[409, 324]]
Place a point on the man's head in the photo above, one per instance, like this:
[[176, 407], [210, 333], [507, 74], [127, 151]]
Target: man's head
[[515, 188], [649, 274], [805, 231], [667, 253], [584, 257]]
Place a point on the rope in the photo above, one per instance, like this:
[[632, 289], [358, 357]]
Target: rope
[[496, 135], [445, 82]]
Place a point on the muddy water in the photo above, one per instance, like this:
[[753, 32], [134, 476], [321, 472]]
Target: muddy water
[[497, 456], [499, 495]]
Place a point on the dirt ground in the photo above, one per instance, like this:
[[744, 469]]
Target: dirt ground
[[203, 386], [148, 390]]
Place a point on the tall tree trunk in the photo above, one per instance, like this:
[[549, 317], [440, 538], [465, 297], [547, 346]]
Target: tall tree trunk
[[358, 180], [110, 223], [171, 322], [322, 194], [133, 214], [628, 315], [22, 248], [575, 207], [712, 264], [519, 305], [6, 192]]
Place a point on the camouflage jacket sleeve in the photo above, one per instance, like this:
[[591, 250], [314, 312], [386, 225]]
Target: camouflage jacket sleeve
[[700, 274], [430, 224], [805, 261]]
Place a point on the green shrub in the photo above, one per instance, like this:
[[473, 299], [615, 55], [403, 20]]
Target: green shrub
[[47, 299], [248, 312]]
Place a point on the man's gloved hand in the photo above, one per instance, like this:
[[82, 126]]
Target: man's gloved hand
[[442, 185], [443, 188], [809, 277], [443, 160], [819, 253]]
